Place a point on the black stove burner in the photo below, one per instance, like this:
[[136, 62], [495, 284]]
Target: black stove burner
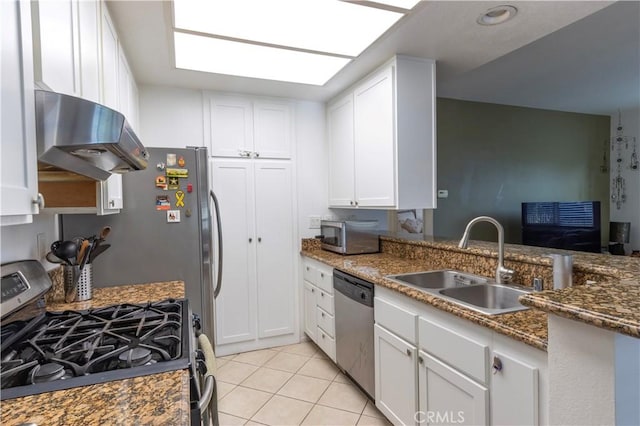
[[134, 357], [60, 350], [46, 373]]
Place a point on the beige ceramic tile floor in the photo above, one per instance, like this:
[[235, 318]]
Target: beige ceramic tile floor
[[289, 385]]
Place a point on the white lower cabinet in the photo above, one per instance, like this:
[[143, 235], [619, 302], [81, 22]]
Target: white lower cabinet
[[396, 378], [257, 304], [434, 368], [449, 397], [319, 322]]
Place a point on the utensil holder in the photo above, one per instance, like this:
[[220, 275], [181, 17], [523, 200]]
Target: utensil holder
[[83, 282]]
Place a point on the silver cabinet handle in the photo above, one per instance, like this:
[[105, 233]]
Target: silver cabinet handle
[[408, 352], [356, 203], [259, 239], [420, 360], [39, 201], [321, 294], [351, 202], [322, 313], [257, 154], [250, 240], [313, 290], [321, 275], [243, 153], [497, 365]]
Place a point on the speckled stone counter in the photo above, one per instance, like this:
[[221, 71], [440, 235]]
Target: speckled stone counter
[[612, 303], [157, 399], [528, 326]]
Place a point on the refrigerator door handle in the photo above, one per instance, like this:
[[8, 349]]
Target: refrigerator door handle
[[219, 226]]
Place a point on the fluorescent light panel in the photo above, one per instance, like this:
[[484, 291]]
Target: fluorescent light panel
[[200, 53], [330, 26]]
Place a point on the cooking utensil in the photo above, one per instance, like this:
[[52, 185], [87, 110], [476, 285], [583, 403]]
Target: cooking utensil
[[52, 258], [104, 232], [65, 250], [97, 251], [82, 252]]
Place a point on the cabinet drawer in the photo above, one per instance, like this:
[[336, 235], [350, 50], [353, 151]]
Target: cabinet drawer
[[395, 319], [460, 352], [325, 279], [310, 273], [327, 344], [325, 321], [325, 301]]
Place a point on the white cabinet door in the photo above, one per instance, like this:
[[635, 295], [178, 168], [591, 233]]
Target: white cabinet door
[[375, 141], [514, 391], [55, 45], [341, 153], [396, 377], [310, 323], [110, 199], [19, 175], [272, 129], [124, 84], [236, 306], [110, 61], [231, 126], [448, 396], [275, 246], [89, 40]]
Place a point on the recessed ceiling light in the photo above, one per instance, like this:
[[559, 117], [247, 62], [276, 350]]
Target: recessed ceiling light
[[330, 26], [209, 54], [497, 15]]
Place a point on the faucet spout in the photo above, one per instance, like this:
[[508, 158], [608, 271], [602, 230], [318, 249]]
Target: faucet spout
[[503, 275]]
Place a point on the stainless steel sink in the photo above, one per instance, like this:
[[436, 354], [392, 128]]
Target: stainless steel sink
[[489, 298], [471, 291], [438, 279]]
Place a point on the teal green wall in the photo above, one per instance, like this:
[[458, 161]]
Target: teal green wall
[[493, 157]]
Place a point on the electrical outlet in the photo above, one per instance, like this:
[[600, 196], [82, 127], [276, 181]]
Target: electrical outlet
[[327, 217], [314, 222], [443, 193], [41, 244]]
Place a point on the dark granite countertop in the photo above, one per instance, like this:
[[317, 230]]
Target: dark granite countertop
[[157, 399]]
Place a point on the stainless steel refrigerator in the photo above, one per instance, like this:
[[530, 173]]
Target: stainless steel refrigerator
[[164, 231]]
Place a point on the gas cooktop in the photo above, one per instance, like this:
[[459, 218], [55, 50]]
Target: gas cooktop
[[62, 350]]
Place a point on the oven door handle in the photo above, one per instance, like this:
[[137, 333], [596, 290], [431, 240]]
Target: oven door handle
[[209, 380]]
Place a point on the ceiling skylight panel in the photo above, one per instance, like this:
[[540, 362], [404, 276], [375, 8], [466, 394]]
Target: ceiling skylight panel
[[330, 26], [214, 55]]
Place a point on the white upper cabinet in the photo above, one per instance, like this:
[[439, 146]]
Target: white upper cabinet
[[110, 61], [391, 132], [18, 179], [249, 128], [55, 46], [90, 60], [341, 155], [272, 129], [231, 126]]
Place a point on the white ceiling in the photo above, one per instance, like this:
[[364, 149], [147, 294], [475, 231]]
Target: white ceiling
[[502, 64]]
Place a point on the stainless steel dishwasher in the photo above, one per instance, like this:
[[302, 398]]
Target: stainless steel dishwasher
[[354, 329]]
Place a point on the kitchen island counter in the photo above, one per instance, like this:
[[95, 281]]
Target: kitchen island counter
[[159, 399]]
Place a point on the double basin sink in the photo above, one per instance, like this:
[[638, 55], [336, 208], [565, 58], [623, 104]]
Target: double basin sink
[[471, 291]]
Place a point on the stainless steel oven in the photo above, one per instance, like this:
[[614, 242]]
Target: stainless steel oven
[[48, 351]]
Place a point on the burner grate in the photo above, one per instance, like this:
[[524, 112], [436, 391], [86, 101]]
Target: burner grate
[[61, 346]]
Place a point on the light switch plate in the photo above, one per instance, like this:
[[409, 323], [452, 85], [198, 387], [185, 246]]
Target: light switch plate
[[314, 222]]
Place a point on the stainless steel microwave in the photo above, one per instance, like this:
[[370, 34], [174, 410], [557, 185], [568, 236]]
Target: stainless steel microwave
[[350, 236]]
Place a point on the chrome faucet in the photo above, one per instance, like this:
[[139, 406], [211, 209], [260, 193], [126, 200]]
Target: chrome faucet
[[503, 275]]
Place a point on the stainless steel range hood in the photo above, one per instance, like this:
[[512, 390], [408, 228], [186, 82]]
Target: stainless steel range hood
[[86, 138]]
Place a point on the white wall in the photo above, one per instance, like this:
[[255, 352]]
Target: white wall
[[170, 118], [312, 168], [630, 210], [19, 242]]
